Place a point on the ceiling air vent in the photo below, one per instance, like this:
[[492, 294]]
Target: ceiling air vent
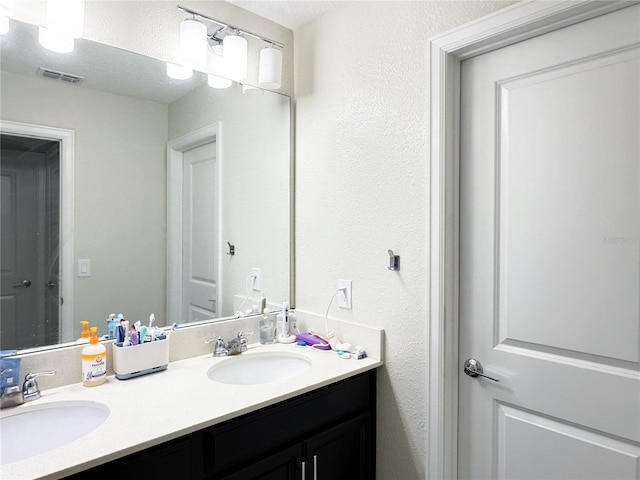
[[61, 76]]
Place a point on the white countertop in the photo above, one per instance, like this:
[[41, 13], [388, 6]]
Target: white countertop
[[152, 409]]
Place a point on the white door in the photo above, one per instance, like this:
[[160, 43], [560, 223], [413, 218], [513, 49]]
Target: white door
[[199, 242], [549, 288]]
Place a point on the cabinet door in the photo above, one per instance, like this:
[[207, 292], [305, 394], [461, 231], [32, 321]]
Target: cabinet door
[[283, 465], [343, 451]]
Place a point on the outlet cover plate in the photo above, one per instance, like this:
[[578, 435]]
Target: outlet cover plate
[[344, 298], [256, 280]]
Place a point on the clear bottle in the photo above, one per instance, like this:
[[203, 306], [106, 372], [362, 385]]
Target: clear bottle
[[94, 361], [267, 328]]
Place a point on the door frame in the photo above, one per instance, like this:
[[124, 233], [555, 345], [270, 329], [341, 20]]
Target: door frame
[[66, 138], [446, 51], [175, 158]]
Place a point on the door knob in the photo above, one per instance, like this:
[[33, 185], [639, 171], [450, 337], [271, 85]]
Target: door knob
[[473, 368], [24, 283]]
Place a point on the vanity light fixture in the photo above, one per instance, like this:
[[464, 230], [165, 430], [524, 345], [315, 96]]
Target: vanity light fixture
[[234, 56], [215, 68], [193, 44], [251, 90], [64, 23], [270, 72], [6, 11], [235, 53], [178, 72]]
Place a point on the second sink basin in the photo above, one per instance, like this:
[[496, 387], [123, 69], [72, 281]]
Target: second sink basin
[[47, 426], [259, 368]]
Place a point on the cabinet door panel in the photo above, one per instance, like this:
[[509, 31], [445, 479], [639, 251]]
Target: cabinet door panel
[[284, 465], [344, 451]]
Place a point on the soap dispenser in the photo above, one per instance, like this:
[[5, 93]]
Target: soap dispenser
[[94, 361], [85, 334]]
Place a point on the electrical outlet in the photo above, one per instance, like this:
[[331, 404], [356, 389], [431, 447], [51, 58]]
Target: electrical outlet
[[256, 279], [344, 296]]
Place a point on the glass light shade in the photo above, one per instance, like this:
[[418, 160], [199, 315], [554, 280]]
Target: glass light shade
[[65, 17], [234, 56], [270, 72], [4, 25], [193, 44], [178, 72], [6, 8], [215, 81], [251, 90], [55, 42]]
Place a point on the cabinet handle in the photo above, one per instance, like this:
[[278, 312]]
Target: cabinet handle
[[315, 467], [304, 470]]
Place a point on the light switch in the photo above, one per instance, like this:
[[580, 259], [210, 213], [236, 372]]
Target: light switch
[[84, 267]]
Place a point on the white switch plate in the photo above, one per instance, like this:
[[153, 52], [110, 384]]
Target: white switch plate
[[344, 298], [256, 280], [84, 267]]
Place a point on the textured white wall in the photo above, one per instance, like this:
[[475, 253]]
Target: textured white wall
[[361, 90]]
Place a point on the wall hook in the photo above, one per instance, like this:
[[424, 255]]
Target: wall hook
[[232, 249], [394, 261]]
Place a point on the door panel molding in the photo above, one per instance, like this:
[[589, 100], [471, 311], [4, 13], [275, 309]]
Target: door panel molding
[[446, 51], [67, 215], [175, 155]]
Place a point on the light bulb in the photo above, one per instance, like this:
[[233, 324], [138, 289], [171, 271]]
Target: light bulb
[[234, 56], [270, 72], [193, 44]]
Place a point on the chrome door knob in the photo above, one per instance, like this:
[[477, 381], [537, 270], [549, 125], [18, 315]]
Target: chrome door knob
[[473, 368], [24, 283]]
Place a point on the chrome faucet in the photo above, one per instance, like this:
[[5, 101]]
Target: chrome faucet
[[235, 346], [13, 396]]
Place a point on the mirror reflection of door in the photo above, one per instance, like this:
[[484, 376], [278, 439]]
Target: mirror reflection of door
[[30, 225], [199, 242]]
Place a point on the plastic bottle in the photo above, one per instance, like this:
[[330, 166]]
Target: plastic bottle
[[284, 329], [94, 361], [267, 328], [85, 334]]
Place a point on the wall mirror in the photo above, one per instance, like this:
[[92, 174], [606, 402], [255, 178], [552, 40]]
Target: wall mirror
[[124, 191]]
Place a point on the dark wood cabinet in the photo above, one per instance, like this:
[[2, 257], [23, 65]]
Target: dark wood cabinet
[[325, 434]]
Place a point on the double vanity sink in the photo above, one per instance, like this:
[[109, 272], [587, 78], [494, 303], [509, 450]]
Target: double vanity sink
[[72, 428]]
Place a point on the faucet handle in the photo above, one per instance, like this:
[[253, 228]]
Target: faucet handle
[[30, 388], [243, 340], [219, 350]]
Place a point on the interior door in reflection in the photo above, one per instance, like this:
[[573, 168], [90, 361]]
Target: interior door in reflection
[[30, 236], [200, 239]]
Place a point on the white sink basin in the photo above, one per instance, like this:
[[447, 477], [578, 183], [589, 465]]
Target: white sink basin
[[47, 426], [252, 369]]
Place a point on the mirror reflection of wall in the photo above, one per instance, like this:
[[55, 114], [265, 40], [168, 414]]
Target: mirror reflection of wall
[[120, 185]]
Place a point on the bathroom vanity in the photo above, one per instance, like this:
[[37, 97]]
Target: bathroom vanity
[[329, 433], [181, 423]]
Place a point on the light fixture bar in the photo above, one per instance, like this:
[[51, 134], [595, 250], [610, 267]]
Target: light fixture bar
[[231, 27]]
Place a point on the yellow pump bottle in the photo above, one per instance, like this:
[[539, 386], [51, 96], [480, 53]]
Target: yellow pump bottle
[[94, 361]]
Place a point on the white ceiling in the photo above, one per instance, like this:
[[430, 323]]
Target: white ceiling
[[288, 13]]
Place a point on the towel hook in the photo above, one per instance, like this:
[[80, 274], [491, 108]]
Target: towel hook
[[232, 249], [394, 261]]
